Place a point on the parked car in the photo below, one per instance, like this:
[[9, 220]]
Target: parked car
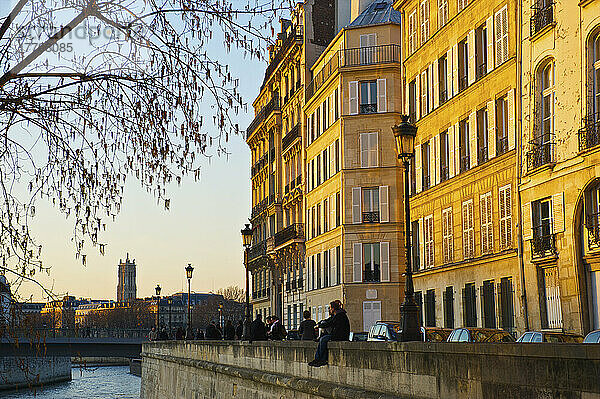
[[472, 334], [550, 336], [358, 336], [435, 334], [592, 338], [383, 331]]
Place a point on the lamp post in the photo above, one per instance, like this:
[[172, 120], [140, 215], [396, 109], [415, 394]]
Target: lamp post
[[157, 289], [188, 271], [404, 134], [247, 243]]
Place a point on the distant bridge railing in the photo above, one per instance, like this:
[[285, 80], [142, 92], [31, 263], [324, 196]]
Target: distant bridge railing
[[77, 332]]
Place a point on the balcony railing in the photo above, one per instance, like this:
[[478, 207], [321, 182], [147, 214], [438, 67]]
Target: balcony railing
[[589, 134], [371, 275], [289, 138], [426, 181], [443, 96], [370, 217], [257, 250], [543, 15], [463, 83], [592, 223], [292, 232], [501, 145], [539, 155], [368, 108], [465, 163], [260, 207], [482, 155], [321, 77], [372, 55], [444, 172], [480, 71], [271, 106], [543, 245]]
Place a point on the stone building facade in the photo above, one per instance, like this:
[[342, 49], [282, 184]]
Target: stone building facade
[[126, 286]]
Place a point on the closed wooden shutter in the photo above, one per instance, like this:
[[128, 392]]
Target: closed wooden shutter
[[552, 294], [332, 206], [353, 98], [489, 25], [384, 208], [430, 85], [473, 139], [333, 267], [421, 248], [504, 13], [437, 156], [487, 229], [558, 213], [449, 69], [455, 68], [505, 212], [456, 149], [451, 150], [356, 208], [373, 149], [511, 119], [436, 84], [381, 96], [357, 262], [364, 150], [406, 100], [418, 167], [384, 256], [471, 49], [491, 114], [527, 230], [418, 97]]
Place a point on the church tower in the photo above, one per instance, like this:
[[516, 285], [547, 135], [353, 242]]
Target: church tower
[[126, 288]]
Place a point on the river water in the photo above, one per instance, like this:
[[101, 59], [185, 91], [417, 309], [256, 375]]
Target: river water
[[96, 383]]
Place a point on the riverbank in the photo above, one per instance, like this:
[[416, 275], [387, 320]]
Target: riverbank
[[27, 371]]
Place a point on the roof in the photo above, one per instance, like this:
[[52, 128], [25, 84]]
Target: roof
[[378, 12]]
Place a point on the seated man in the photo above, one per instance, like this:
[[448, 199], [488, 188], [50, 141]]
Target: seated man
[[340, 331]]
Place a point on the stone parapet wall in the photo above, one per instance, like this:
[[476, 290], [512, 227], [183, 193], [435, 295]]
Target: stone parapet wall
[[201, 369], [28, 371]]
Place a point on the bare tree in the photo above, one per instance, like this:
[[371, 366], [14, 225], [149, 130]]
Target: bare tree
[[233, 292], [144, 96]]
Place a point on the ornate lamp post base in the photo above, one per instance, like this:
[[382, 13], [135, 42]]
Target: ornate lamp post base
[[409, 319]]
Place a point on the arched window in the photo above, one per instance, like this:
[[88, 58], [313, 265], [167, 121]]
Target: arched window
[[546, 95], [595, 52]]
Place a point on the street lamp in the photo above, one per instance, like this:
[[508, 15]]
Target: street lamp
[[188, 271], [157, 289], [247, 242], [405, 134]]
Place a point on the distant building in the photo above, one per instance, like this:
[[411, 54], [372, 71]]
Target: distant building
[[5, 300], [126, 288], [61, 313]]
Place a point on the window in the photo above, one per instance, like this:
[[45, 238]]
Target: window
[[501, 28], [413, 176], [367, 48], [488, 305], [419, 301], [462, 4], [415, 246], [507, 311], [592, 215], [319, 175], [370, 205], [468, 230], [318, 219], [487, 228], [596, 76], [319, 275], [426, 152], [541, 145], [589, 136], [442, 13], [336, 105], [482, 136], [448, 235], [463, 65], [505, 208], [326, 226], [449, 307], [443, 75], [412, 100], [464, 145], [543, 239], [424, 92], [424, 21], [337, 155], [501, 125], [444, 156], [469, 306], [430, 308], [326, 269], [412, 32], [368, 97], [337, 209], [429, 242], [542, 16], [368, 150], [553, 308], [371, 262], [481, 54], [338, 269]]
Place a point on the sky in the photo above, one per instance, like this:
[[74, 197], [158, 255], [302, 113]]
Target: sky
[[202, 226]]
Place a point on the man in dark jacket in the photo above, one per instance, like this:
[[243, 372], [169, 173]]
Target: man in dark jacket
[[258, 332], [239, 330], [277, 331], [340, 331], [212, 332], [307, 327]]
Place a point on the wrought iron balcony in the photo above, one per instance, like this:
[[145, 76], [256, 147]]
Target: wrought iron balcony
[[321, 77], [271, 106], [501, 145], [480, 71], [444, 172], [443, 96], [292, 232], [287, 188], [370, 276], [589, 134], [592, 222], [543, 245], [426, 181], [298, 180], [542, 16], [372, 55], [465, 163], [539, 155], [370, 217], [290, 137], [368, 108], [257, 250], [482, 155], [463, 83]]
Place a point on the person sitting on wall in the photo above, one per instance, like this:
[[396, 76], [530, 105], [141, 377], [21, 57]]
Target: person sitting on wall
[[307, 327], [340, 331], [277, 331], [258, 331]]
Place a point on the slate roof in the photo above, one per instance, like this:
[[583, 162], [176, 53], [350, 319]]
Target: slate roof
[[378, 12]]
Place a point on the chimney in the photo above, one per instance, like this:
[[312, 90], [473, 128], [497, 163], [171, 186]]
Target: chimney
[[357, 7]]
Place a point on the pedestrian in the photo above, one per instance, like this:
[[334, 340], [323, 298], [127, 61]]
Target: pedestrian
[[229, 331], [340, 331], [307, 327], [200, 334], [277, 331], [258, 331], [212, 332], [153, 335], [163, 336], [239, 330], [179, 335]]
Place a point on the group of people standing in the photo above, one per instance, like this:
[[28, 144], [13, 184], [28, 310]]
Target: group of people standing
[[213, 332], [272, 330]]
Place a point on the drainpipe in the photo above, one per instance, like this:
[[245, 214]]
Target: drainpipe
[[519, 163]]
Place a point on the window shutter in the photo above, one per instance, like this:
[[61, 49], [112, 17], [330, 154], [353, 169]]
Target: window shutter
[[406, 100], [332, 170], [558, 213], [489, 26], [357, 262], [449, 66], [332, 206], [430, 86], [331, 108], [473, 138], [527, 231], [356, 211], [498, 37], [332, 267], [511, 119], [421, 243], [471, 49], [384, 257], [491, 114], [455, 68], [384, 207], [381, 96], [353, 97], [451, 151], [437, 159], [418, 167], [373, 149], [436, 84], [504, 13], [364, 150], [418, 96]]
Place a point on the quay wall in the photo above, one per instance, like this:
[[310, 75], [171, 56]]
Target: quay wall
[[18, 372], [221, 369]]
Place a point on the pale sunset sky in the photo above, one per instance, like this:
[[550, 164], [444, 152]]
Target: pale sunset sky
[[202, 226]]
